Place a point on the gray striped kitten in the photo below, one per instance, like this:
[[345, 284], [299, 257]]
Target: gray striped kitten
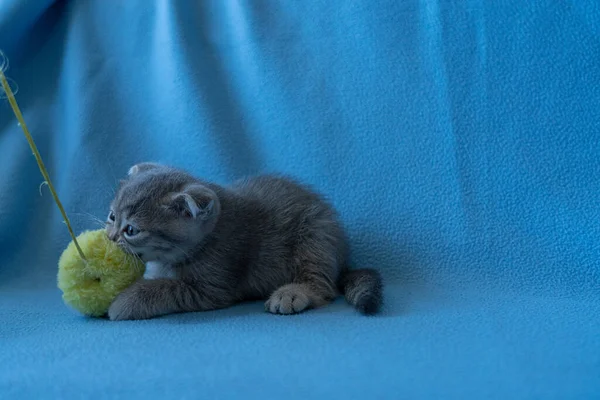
[[207, 247]]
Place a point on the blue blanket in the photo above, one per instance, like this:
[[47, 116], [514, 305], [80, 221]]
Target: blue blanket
[[458, 139]]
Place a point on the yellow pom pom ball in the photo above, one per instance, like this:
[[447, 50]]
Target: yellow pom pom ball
[[91, 286]]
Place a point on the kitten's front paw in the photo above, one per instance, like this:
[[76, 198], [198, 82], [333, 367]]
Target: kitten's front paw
[[128, 306], [289, 299]]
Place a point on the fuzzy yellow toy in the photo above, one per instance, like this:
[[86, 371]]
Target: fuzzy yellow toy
[[92, 270], [90, 286]]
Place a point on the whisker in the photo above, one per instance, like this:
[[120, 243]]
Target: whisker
[[132, 253], [116, 181], [92, 218], [185, 253]]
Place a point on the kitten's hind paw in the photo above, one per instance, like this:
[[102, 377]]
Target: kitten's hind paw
[[288, 299]]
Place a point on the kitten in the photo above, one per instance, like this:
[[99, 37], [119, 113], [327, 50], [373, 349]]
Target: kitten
[[207, 247]]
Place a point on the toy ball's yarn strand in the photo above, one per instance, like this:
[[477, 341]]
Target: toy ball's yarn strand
[[15, 107]]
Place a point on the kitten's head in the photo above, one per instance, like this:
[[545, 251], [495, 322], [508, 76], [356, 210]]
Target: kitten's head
[[160, 213]]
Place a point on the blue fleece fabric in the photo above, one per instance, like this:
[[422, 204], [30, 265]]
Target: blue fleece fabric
[[458, 139]]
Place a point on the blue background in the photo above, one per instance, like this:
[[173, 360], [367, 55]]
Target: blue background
[[459, 140]]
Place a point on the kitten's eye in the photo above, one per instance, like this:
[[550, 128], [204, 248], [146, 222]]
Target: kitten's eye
[[131, 230], [111, 216]]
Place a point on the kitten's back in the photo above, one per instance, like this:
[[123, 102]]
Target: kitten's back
[[293, 208]]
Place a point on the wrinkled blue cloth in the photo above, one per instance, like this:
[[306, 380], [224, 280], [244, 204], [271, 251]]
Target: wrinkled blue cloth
[[459, 140]]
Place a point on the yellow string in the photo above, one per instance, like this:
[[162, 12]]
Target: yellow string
[[38, 158]]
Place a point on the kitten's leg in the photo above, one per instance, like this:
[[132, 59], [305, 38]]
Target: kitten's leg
[[152, 298], [316, 265], [294, 298], [313, 287]]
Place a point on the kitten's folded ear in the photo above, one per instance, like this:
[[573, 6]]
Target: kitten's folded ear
[[196, 201], [141, 167]]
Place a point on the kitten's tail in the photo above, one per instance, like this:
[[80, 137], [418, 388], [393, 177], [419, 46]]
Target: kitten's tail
[[363, 288]]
